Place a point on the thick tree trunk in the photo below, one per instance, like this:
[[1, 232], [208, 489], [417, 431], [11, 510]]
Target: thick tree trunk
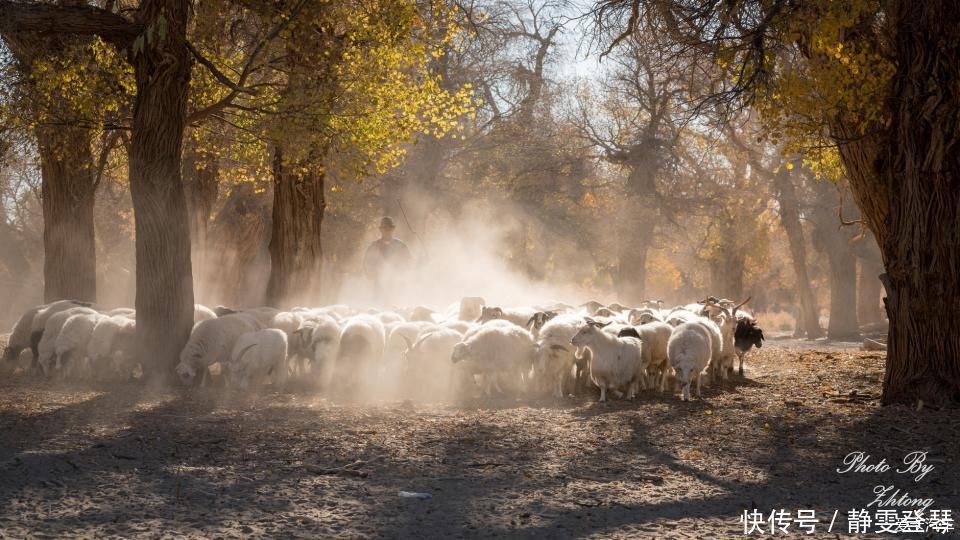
[[164, 286], [67, 188], [295, 242], [67, 174], [921, 171], [809, 322]]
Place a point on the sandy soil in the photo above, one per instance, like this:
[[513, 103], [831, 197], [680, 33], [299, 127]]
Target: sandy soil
[[128, 462]]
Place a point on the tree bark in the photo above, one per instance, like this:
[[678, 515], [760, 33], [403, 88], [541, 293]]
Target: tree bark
[[726, 273], [164, 300], [835, 242], [67, 189], [809, 322], [157, 48], [920, 168], [295, 242], [843, 293], [868, 290], [200, 179], [67, 174], [635, 240]]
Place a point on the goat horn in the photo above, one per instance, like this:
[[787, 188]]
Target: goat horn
[[738, 306], [532, 321], [420, 340]]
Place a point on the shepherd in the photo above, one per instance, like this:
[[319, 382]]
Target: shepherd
[[386, 262]]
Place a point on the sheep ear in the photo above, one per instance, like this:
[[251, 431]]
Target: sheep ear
[[603, 325]]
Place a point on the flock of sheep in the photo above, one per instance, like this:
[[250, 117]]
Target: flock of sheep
[[467, 349]]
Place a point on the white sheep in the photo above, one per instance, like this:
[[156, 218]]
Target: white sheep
[[202, 313], [263, 315], [70, 347], [421, 314], [725, 318], [19, 339], [690, 349], [519, 316], [655, 336], [459, 326], [556, 355], [427, 362], [257, 355], [211, 342], [360, 351], [616, 361], [470, 308], [388, 317], [494, 351], [399, 338], [47, 346], [540, 318], [111, 346], [497, 323], [678, 316], [39, 323], [640, 316]]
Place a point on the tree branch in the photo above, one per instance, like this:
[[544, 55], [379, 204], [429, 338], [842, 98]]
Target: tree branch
[[216, 72], [48, 18]]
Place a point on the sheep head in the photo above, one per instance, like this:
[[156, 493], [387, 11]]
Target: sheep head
[[539, 319], [748, 334], [461, 352], [10, 353], [187, 373], [489, 313], [588, 332]]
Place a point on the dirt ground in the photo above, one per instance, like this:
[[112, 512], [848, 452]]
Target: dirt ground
[[129, 462]]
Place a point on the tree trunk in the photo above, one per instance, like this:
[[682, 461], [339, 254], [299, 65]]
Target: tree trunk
[[67, 188], [921, 243], [200, 179], [843, 293], [638, 227], [295, 242], [67, 175], [809, 321], [835, 242], [164, 286], [634, 246], [868, 290], [726, 276]]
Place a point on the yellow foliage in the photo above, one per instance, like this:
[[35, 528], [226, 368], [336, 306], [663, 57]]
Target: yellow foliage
[[829, 75]]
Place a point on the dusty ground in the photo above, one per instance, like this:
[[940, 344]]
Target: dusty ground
[[126, 462]]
